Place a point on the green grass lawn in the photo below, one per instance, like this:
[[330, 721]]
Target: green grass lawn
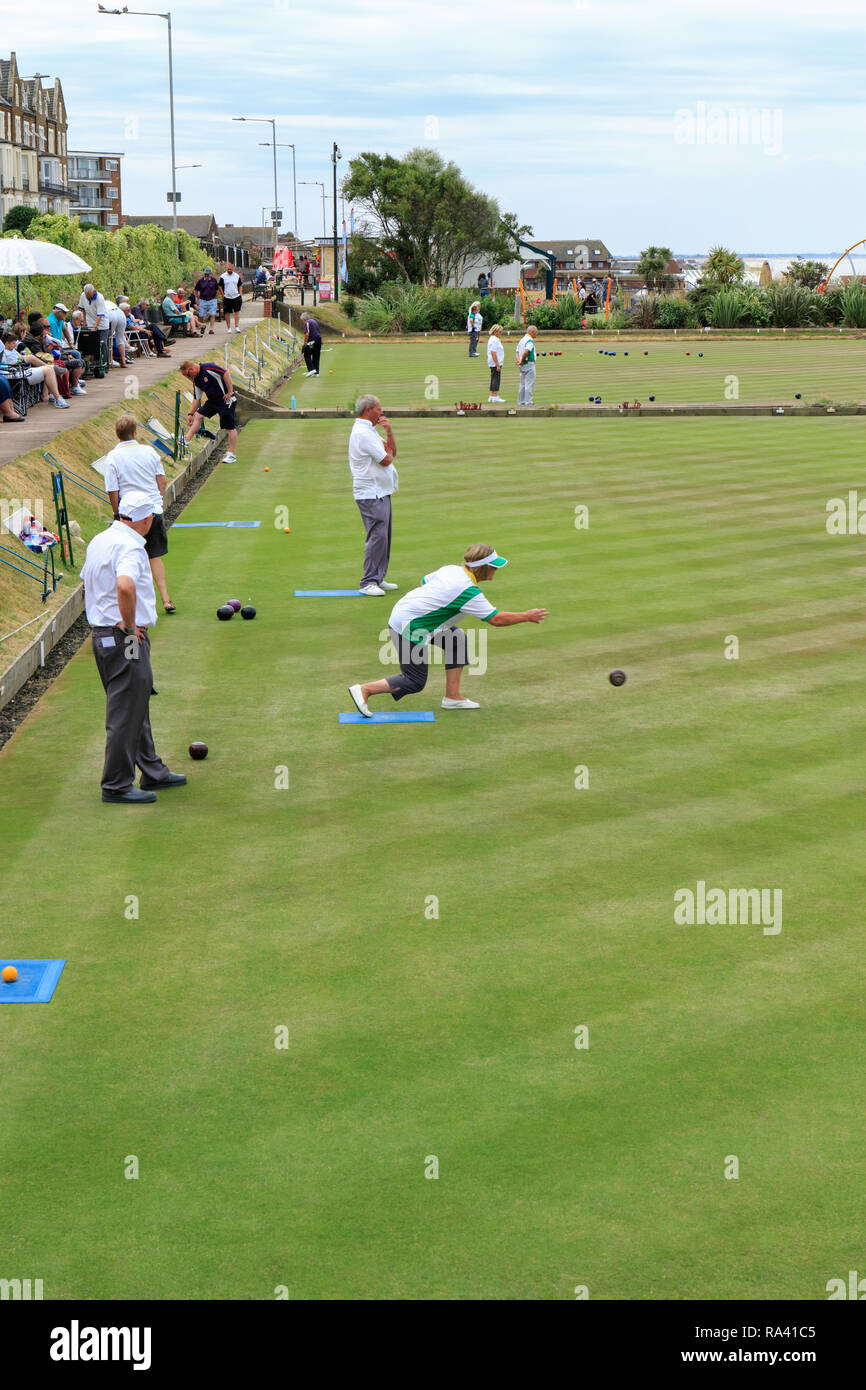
[[454, 1037], [410, 373]]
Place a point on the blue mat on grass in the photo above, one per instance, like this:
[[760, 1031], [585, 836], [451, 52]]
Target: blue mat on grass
[[415, 717], [37, 980], [329, 593], [193, 525]]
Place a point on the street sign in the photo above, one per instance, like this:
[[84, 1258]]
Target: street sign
[[172, 197], [276, 215]]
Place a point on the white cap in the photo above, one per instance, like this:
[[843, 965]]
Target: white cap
[[135, 505]]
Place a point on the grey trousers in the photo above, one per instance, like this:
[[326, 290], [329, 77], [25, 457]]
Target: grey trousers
[[376, 516], [473, 343], [414, 659], [125, 672], [527, 383]]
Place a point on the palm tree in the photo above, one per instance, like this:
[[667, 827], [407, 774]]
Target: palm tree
[[653, 265], [723, 267]]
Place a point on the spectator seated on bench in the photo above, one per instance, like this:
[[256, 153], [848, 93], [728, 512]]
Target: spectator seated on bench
[[176, 317]]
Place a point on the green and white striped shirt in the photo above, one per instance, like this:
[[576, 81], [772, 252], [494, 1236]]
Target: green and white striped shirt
[[439, 602]]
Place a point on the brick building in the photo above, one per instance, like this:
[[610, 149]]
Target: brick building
[[33, 156], [94, 187]]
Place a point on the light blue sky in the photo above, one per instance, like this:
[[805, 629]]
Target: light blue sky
[[678, 123]]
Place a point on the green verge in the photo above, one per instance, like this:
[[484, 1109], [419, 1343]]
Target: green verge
[[413, 1036]]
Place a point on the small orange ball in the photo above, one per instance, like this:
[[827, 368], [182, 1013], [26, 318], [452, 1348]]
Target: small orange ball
[[267, 470], [286, 530], [9, 974]]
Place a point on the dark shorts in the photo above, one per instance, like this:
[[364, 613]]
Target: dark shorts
[[156, 540], [414, 659], [228, 420], [232, 306]]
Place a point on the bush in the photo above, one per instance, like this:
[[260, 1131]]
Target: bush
[[398, 307], [138, 261], [829, 308], [643, 312], [791, 306], [700, 301], [853, 304], [350, 304], [676, 313], [19, 217]]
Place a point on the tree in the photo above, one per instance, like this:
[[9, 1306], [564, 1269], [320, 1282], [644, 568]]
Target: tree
[[653, 266], [723, 267], [19, 217], [427, 217], [809, 274]]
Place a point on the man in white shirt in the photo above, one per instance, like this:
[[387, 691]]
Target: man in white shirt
[[432, 613], [96, 317], [121, 606], [374, 480], [525, 355], [231, 287], [133, 466]]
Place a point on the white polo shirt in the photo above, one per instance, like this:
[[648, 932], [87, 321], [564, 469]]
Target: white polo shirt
[[133, 466], [93, 309], [495, 351], [366, 451], [473, 323], [117, 551], [440, 601]]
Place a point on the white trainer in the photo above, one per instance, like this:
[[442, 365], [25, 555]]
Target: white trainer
[[361, 703], [459, 704], [386, 585], [372, 591], [78, 391], [230, 458]]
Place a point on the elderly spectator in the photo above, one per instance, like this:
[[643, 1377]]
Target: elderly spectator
[[36, 372], [151, 332], [207, 289], [95, 313], [473, 326], [63, 335], [374, 480], [40, 341], [525, 356], [121, 606], [175, 314], [117, 320], [8, 413]]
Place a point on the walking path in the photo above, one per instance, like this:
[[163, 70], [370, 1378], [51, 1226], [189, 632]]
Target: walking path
[[44, 421]]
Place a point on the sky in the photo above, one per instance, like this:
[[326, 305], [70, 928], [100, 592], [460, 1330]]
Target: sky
[[678, 124]]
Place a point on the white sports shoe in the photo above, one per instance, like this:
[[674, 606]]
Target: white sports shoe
[[61, 404], [78, 391], [459, 704], [500, 399], [230, 458], [386, 585], [363, 708], [372, 590]]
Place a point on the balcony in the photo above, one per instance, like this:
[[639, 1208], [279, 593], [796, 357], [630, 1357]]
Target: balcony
[[89, 176], [49, 186], [91, 205]]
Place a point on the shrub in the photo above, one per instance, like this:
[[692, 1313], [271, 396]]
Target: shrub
[[643, 312], [349, 303], [676, 313], [853, 305], [829, 308], [791, 306]]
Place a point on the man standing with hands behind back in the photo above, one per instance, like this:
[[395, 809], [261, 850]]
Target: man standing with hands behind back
[[121, 606], [374, 481]]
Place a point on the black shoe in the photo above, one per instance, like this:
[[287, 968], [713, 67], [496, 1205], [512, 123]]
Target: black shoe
[[174, 779], [131, 797]]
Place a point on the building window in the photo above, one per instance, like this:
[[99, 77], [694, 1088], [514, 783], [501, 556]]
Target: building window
[[111, 165], [112, 219], [112, 191]]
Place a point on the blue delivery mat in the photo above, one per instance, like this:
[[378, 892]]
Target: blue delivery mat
[[329, 593], [37, 980], [195, 525], [416, 717]]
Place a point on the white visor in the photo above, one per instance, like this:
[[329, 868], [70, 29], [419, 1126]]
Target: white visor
[[492, 559]]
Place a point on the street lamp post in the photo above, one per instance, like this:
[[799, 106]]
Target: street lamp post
[[271, 121], [287, 145], [336, 154], [157, 14]]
